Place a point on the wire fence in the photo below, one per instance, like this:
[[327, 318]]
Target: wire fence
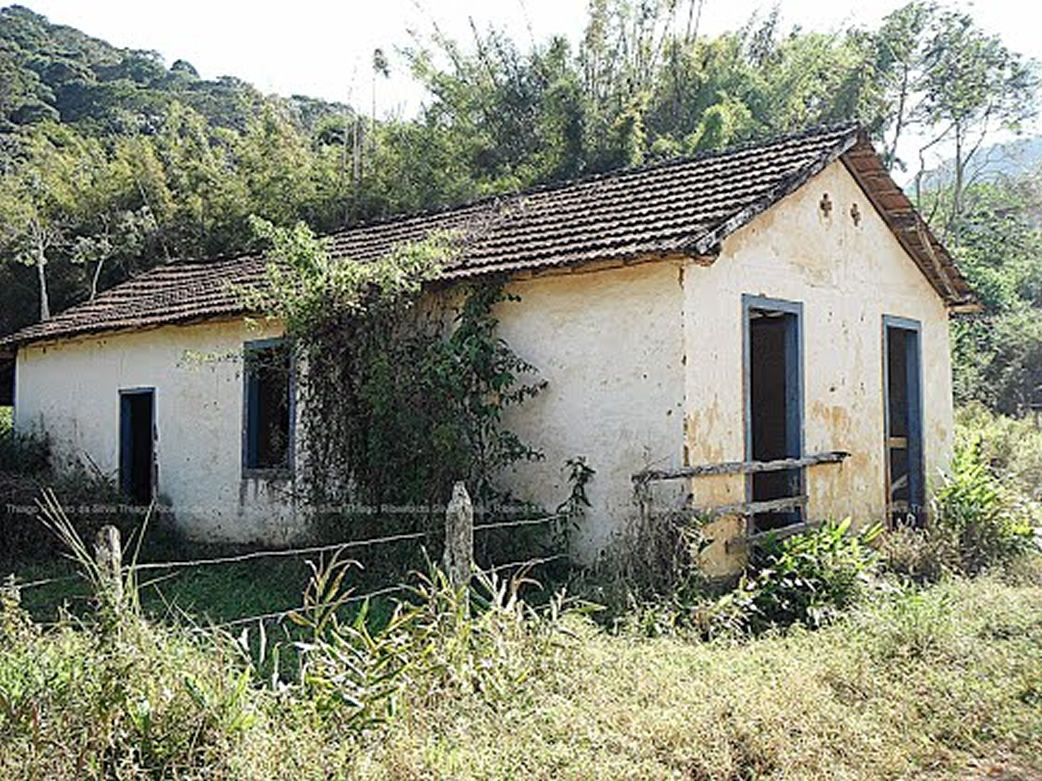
[[314, 550], [280, 615], [39, 583]]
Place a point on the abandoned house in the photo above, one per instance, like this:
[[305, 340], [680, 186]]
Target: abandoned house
[[760, 332]]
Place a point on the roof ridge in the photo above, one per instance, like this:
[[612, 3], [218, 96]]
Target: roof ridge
[[500, 198], [850, 126]]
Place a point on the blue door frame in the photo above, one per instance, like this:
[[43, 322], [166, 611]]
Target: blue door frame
[[912, 330], [127, 451], [794, 381]]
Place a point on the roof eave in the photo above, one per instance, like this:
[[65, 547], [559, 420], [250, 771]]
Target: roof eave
[[909, 228]]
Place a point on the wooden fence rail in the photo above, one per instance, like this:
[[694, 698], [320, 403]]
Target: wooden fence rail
[[741, 467]]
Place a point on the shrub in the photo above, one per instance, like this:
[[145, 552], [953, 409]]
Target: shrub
[[648, 578], [21, 453], [807, 578], [440, 641], [1012, 447], [980, 520], [917, 555], [986, 505], [26, 468]]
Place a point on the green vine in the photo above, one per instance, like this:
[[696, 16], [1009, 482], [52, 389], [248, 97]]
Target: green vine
[[403, 389]]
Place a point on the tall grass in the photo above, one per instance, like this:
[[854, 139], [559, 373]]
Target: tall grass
[[475, 683], [833, 669], [985, 510], [116, 695]]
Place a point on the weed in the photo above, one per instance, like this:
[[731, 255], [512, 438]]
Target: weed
[[977, 515], [807, 578]]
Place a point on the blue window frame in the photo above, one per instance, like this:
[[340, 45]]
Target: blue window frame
[[269, 408]]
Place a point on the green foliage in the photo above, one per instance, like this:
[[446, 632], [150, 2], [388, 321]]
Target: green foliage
[[133, 697], [304, 285], [27, 468], [498, 692], [977, 514], [412, 393], [648, 578], [21, 453], [1011, 447], [112, 162], [998, 361], [352, 671], [983, 511], [997, 358], [808, 578]]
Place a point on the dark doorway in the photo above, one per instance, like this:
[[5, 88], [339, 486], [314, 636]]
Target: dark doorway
[[136, 444], [774, 404], [905, 489]]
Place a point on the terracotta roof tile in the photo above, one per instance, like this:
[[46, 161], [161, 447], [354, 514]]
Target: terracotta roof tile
[[680, 207]]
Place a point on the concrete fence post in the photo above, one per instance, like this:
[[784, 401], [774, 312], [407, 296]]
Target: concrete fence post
[[108, 554], [458, 559]]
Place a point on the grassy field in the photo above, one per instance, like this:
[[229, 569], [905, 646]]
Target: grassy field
[[940, 682], [945, 683]]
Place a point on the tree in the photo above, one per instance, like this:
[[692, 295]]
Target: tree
[[998, 353], [40, 199], [898, 55], [972, 85]]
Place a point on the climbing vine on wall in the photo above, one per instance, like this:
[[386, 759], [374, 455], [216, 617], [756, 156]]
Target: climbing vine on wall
[[403, 389]]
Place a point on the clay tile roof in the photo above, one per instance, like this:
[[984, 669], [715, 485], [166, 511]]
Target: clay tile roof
[[682, 207]]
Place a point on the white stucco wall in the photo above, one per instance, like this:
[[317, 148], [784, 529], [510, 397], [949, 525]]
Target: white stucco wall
[[847, 276], [70, 389], [610, 346]]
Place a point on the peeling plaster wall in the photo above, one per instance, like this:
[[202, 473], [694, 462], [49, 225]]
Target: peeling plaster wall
[[848, 275], [609, 344], [70, 389]]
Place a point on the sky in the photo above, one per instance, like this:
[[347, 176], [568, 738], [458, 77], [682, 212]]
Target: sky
[[324, 49]]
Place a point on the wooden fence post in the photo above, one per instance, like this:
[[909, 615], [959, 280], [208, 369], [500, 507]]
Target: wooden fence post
[[458, 558], [109, 557]]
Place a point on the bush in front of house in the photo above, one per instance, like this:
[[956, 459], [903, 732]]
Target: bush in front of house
[[26, 468], [808, 578], [978, 520], [985, 523], [20, 453]]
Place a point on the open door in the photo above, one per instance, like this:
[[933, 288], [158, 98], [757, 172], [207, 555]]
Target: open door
[[905, 484], [137, 444], [774, 407]]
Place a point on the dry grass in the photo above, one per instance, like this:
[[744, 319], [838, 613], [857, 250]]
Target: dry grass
[[930, 682], [945, 682]]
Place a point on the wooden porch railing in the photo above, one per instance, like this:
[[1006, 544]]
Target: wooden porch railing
[[643, 478]]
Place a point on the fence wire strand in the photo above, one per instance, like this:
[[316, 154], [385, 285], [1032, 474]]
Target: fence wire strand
[[280, 552], [480, 527], [151, 565], [281, 614], [525, 563], [38, 583], [287, 552]]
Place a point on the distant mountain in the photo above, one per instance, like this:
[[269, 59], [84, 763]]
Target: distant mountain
[[1010, 160], [51, 71]]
